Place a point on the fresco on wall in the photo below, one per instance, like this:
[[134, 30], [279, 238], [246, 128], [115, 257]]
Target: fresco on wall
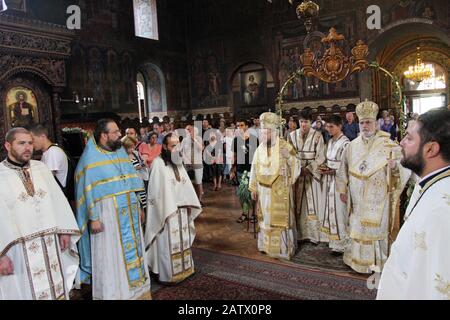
[[128, 90], [209, 87], [96, 75], [405, 9], [155, 90], [78, 76], [113, 79]]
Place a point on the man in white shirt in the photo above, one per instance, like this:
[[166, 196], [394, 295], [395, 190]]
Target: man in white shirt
[[255, 129], [52, 155], [192, 152]]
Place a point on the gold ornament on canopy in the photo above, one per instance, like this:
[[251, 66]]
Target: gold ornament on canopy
[[334, 66]]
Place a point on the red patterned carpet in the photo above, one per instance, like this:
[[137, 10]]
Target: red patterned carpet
[[229, 266], [222, 276]]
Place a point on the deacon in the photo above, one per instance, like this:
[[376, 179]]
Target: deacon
[[310, 148], [418, 267], [370, 180], [172, 208], [38, 232], [275, 168], [109, 215], [335, 222]]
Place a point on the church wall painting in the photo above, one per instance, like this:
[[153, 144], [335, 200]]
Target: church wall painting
[[21, 107], [208, 78], [113, 80], [253, 87], [155, 90]]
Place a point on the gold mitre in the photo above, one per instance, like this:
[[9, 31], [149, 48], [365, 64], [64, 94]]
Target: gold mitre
[[367, 110], [269, 120]]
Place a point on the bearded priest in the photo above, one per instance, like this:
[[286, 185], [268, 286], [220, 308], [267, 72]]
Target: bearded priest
[[275, 169], [370, 180], [172, 208]]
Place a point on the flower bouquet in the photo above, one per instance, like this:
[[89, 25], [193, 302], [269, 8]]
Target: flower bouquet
[[244, 195]]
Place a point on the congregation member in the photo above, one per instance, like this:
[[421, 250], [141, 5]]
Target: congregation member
[[55, 159], [141, 147], [350, 127], [192, 153], [244, 147]]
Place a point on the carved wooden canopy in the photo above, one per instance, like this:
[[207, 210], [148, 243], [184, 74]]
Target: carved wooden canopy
[[34, 46]]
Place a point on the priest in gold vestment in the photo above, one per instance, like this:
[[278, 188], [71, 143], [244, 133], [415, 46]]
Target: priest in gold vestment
[[275, 169], [370, 180]]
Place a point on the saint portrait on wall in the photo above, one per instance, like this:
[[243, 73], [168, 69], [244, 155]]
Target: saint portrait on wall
[[21, 107], [253, 85]]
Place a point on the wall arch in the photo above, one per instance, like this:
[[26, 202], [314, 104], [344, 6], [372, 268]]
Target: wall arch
[[155, 82]]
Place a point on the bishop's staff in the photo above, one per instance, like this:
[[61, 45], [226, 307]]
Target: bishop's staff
[[393, 180]]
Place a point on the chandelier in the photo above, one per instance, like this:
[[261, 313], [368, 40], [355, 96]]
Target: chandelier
[[420, 71], [307, 11]]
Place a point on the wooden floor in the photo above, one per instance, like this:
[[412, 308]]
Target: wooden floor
[[217, 229]]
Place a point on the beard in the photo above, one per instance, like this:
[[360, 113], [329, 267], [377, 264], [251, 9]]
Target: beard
[[166, 155], [172, 158], [368, 134], [22, 158], [415, 163], [114, 145]]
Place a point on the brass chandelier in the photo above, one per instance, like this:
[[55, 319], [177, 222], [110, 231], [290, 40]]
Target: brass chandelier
[[420, 71]]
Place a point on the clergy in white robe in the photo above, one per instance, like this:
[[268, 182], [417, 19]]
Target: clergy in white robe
[[418, 267], [335, 222], [108, 214], [172, 208], [275, 168], [310, 148], [370, 179], [38, 231]]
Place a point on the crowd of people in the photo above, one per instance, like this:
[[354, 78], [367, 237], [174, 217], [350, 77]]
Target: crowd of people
[[136, 192]]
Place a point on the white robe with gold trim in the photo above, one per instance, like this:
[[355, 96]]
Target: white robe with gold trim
[[309, 193], [335, 222], [29, 229], [418, 267], [364, 177], [277, 242], [170, 232]]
